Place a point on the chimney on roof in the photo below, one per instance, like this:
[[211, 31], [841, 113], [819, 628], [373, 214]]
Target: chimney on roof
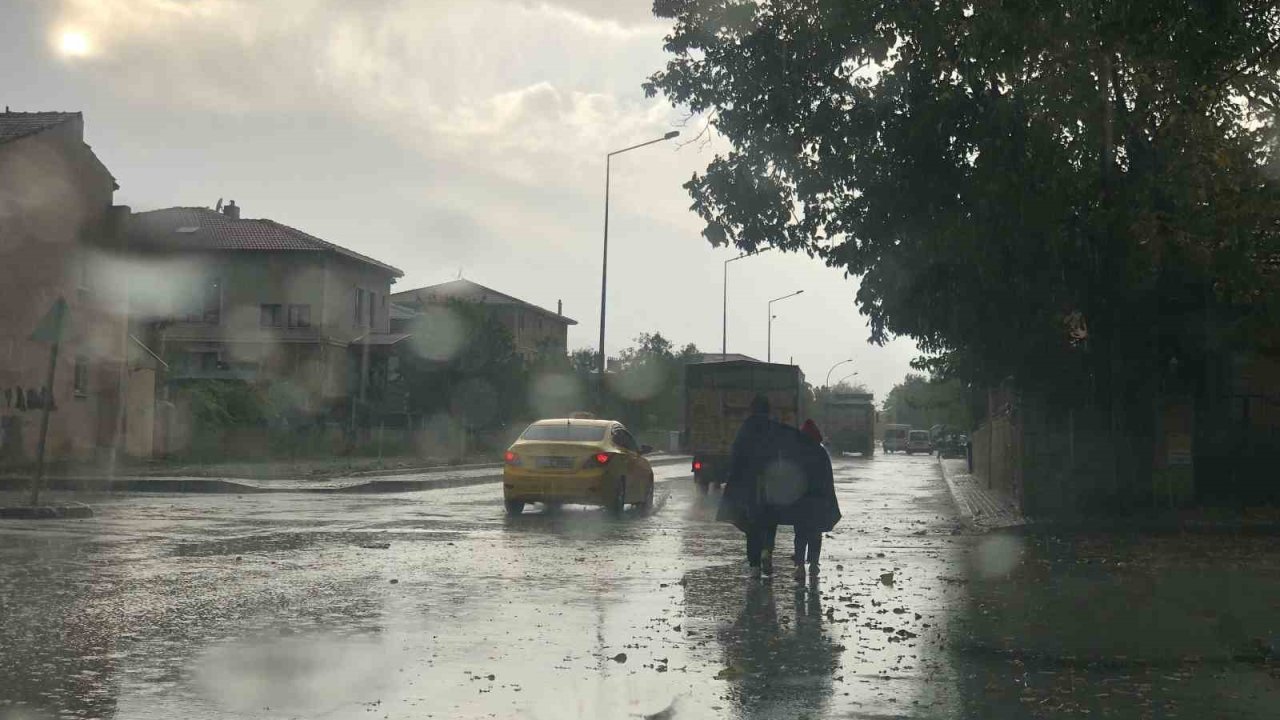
[[559, 307], [231, 210]]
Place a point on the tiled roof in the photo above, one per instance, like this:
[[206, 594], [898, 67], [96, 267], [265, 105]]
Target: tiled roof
[[199, 228], [463, 289], [14, 125]]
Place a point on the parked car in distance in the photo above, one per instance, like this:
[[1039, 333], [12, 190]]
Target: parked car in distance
[[574, 460], [918, 442]]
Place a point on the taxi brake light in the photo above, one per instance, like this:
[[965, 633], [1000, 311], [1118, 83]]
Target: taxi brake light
[[511, 458], [601, 458]]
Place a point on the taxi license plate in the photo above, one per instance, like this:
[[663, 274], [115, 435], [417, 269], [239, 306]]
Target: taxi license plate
[[554, 462]]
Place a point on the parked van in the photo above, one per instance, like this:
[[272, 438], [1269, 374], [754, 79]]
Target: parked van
[[895, 438], [918, 442]]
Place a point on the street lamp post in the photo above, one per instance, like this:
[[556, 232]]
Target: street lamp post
[[769, 349], [604, 269], [827, 382], [724, 319], [846, 377]]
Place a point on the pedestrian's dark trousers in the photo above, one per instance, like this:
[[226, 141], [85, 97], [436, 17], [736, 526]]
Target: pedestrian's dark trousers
[[760, 537], [808, 546]]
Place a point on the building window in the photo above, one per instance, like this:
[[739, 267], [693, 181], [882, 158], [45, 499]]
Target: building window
[[202, 303], [299, 316], [371, 306], [271, 316], [81, 376], [359, 306]]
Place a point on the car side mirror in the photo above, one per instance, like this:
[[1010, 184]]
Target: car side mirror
[[646, 449]]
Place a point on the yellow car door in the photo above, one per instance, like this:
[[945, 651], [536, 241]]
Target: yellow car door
[[639, 472]]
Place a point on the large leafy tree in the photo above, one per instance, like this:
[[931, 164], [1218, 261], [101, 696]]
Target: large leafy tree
[[462, 362], [1067, 193], [923, 402]]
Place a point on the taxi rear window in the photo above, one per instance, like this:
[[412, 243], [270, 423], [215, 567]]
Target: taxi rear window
[[565, 433]]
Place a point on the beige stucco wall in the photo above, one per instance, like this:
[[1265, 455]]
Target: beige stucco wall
[[314, 359], [55, 223]]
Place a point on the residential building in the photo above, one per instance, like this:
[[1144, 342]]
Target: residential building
[[533, 329], [58, 233], [262, 302]]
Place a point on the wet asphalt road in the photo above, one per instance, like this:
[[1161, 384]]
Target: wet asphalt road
[[284, 606], [435, 605]]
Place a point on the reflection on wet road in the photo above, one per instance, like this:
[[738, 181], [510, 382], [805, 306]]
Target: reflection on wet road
[[433, 604]]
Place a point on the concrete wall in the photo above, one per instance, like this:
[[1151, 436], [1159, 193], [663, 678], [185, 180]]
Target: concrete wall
[[997, 457], [57, 226], [531, 330]]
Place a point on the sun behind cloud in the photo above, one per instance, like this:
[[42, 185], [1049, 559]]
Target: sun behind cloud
[[73, 43]]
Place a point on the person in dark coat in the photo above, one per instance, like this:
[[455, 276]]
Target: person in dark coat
[[817, 511], [757, 448]]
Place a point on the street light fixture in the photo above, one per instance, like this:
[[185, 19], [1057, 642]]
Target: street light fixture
[[846, 377], [827, 382], [724, 322], [769, 349], [604, 269]]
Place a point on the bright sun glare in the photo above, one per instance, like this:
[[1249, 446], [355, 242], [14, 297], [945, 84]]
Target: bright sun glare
[[73, 43]]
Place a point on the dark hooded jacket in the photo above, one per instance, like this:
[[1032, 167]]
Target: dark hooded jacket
[[817, 509], [756, 445], [777, 474]]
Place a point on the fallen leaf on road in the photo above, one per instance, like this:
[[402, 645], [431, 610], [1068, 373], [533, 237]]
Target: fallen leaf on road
[[729, 673]]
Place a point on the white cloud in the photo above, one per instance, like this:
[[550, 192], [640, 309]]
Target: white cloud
[[439, 134]]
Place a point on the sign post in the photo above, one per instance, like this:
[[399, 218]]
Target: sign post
[[49, 330]]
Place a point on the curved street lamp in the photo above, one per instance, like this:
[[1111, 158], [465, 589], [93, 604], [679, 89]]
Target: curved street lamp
[[604, 270], [827, 382], [846, 377], [769, 349]]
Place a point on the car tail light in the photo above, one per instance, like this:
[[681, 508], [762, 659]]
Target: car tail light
[[511, 458], [600, 459], [697, 466]]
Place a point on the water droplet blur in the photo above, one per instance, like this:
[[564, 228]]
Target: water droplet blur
[[998, 555]]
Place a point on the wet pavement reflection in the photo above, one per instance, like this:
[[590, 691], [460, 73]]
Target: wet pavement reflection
[[435, 604]]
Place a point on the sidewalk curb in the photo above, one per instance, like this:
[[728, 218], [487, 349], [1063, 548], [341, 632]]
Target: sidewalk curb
[[980, 510], [243, 486]]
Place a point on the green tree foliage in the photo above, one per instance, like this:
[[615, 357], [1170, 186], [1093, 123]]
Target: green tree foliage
[[645, 391], [462, 363], [924, 402], [650, 380], [1067, 194]]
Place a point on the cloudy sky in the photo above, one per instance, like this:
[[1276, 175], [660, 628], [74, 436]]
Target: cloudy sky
[[442, 137]]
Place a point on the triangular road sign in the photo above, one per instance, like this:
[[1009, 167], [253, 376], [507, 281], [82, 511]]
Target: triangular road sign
[[50, 327]]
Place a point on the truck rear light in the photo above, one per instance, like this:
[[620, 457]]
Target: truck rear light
[[697, 466]]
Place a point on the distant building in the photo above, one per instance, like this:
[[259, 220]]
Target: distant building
[[727, 357], [58, 231], [263, 302], [533, 329]]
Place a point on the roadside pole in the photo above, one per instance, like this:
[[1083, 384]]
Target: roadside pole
[[50, 330]]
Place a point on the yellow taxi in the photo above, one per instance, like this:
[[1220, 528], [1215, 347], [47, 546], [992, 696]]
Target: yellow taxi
[[577, 460]]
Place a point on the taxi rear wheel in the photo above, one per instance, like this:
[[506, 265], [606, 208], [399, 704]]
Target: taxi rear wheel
[[619, 500], [646, 504], [514, 507]]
